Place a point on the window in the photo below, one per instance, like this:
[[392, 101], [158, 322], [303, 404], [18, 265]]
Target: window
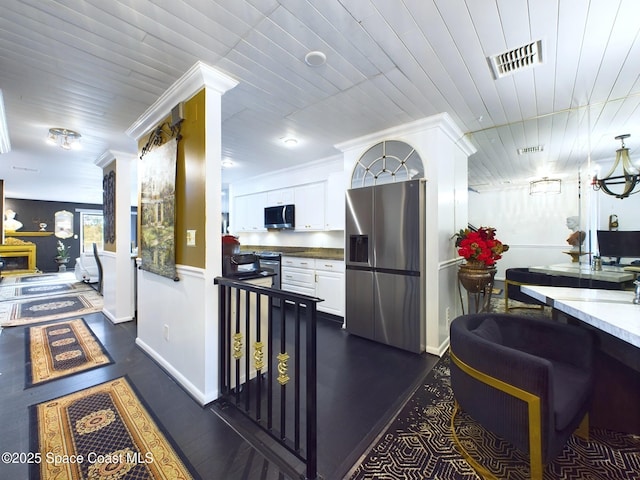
[[91, 230], [386, 162]]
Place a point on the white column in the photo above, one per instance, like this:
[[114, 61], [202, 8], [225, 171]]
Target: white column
[[118, 273]]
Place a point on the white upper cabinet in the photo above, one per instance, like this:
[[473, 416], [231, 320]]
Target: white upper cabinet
[[249, 213], [310, 206], [334, 213], [282, 196], [319, 204]]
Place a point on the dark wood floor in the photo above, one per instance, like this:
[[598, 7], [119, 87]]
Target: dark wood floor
[[360, 385]]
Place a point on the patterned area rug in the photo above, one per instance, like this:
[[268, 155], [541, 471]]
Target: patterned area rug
[[60, 349], [40, 289], [12, 280], [418, 445], [57, 307], [108, 433]]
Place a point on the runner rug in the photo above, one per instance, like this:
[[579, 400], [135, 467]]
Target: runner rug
[[418, 444], [102, 432], [57, 307], [61, 349], [30, 278], [22, 291]]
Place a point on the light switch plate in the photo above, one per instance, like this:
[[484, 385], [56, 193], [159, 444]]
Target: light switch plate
[[191, 238]]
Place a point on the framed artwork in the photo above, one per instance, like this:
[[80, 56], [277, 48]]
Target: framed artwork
[[157, 209], [109, 206]]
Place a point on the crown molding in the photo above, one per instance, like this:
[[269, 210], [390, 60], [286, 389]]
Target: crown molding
[[442, 121], [195, 79], [110, 155]]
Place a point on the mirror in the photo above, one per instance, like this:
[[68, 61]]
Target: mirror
[[63, 224]]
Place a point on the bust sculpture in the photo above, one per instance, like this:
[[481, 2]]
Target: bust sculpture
[[10, 222], [577, 237]]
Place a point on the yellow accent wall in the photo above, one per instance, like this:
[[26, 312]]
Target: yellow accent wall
[[190, 183]]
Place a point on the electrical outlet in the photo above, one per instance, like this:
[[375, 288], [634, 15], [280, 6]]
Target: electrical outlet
[[165, 332]]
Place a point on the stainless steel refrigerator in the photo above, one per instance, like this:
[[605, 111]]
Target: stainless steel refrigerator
[[385, 280]]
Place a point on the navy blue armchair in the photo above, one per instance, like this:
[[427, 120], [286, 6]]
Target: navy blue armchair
[[528, 380]]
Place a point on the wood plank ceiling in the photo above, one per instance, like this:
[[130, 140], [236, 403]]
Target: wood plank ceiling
[[96, 66]]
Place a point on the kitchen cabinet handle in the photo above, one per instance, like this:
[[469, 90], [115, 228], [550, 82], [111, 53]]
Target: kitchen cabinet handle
[[328, 266]]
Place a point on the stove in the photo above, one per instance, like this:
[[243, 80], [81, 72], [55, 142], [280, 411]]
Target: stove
[[269, 255], [270, 261]]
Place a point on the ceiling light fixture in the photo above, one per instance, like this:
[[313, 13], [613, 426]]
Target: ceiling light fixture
[[226, 163], [545, 186], [290, 141], [67, 139], [629, 178], [5, 144], [315, 58]]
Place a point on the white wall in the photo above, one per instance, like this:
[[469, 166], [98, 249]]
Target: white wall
[[329, 239], [534, 226]]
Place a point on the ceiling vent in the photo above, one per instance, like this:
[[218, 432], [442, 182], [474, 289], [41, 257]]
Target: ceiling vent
[[536, 149], [508, 63]]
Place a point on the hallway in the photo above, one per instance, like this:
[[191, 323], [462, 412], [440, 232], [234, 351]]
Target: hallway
[[360, 385]]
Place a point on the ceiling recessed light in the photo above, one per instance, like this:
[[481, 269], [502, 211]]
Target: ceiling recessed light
[[226, 163], [315, 58], [290, 141]]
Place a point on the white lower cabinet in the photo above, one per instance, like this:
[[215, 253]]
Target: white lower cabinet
[[297, 275], [330, 286], [317, 278]]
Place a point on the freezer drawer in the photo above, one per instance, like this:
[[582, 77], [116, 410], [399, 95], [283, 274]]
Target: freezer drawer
[[398, 311], [359, 306]]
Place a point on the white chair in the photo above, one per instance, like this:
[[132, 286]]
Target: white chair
[[86, 269]]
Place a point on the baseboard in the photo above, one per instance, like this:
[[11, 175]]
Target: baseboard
[[441, 349], [115, 319], [195, 393]]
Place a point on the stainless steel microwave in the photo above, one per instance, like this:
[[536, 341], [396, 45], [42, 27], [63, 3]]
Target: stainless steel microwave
[[281, 217]]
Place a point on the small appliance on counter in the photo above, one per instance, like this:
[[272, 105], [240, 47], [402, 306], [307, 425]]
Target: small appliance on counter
[[230, 245], [242, 266]]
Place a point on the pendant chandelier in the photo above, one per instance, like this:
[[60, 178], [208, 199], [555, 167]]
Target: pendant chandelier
[[67, 139], [629, 178], [545, 185]]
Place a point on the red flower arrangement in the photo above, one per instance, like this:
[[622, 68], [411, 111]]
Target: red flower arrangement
[[480, 245]]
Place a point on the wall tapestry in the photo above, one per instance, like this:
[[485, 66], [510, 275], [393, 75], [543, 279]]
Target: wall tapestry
[[157, 209], [109, 206]]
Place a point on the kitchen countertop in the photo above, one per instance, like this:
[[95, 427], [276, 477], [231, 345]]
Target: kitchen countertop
[[607, 274], [611, 311], [306, 252]]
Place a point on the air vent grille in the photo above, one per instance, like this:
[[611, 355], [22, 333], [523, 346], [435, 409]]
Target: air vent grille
[[512, 61], [536, 149]]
